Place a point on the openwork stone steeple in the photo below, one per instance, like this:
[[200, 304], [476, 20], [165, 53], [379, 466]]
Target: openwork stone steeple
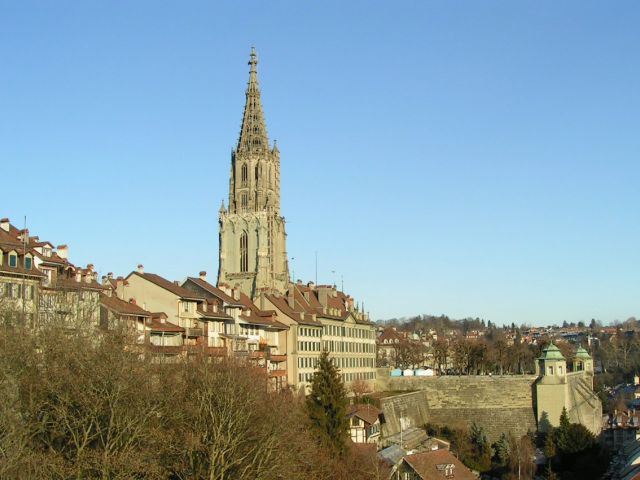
[[252, 232], [253, 134]]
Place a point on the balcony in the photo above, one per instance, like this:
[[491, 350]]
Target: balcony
[[278, 358], [277, 373], [166, 349], [257, 354], [209, 351], [194, 332]]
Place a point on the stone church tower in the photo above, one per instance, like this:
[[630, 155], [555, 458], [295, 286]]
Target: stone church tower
[[253, 250]]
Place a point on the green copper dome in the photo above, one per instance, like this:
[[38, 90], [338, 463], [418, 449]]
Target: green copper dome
[[551, 352], [582, 353]]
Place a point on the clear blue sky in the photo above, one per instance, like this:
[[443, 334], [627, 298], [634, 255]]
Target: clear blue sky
[[468, 158]]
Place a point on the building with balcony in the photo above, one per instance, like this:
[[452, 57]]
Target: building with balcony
[[250, 332], [38, 282]]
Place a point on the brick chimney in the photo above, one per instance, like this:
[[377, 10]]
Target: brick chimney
[[323, 295], [63, 251], [110, 275], [78, 275], [140, 269], [203, 276], [225, 288], [5, 224], [290, 297]]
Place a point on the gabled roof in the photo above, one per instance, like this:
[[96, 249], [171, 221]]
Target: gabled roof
[[390, 333], [121, 307], [73, 284], [368, 413], [215, 291], [429, 465], [156, 325], [282, 304], [257, 316], [167, 285]]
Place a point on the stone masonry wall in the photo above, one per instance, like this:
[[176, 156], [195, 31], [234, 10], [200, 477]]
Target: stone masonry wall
[[584, 406], [498, 404]]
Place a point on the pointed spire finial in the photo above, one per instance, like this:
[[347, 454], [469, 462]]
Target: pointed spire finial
[[253, 60], [253, 132]]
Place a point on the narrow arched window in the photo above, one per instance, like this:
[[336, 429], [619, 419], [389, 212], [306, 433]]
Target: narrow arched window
[[245, 174], [244, 252], [257, 173], [244, 201]]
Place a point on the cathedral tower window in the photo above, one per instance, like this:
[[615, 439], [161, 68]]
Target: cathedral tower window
[[244, 174], [244, 201], [244, 252]]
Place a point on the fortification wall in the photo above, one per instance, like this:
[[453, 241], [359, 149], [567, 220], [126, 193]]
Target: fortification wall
[[583, 405], [497, 403]]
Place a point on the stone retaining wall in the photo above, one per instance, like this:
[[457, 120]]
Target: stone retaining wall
[[497, 403]]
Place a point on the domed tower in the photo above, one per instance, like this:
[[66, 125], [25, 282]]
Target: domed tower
[[583, 361], [552, 366], [551, 387]]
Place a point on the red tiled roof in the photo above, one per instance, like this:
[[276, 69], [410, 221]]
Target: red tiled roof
[[124, 308], [214, 291], [368, 413], [22, 272], [390, 334], [426, 465], [214, 315], [168, 285], [72, 284], [158, 326], [282, 304]]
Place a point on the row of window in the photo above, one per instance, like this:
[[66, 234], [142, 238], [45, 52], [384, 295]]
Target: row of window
[[16, 290], [309, 346], [307, 362], [350, 377], [309, 332], [339, 362], [349, 362], [348, 347], [340, 331], [346, 377], [247, 329], [305, 377]]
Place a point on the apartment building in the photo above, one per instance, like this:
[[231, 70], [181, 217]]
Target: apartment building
[[250, 332], [323, 318], [39, 282]]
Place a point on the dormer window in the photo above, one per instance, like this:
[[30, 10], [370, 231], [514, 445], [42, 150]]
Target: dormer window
[[46, 251], [13, 260], [28, 262]]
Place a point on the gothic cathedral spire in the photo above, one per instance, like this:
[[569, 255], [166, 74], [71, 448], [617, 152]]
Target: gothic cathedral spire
[[253, 134], [252, 232]]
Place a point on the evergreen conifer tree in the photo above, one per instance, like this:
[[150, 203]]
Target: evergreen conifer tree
[[501, 448], [562, 432], [327, 404]]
